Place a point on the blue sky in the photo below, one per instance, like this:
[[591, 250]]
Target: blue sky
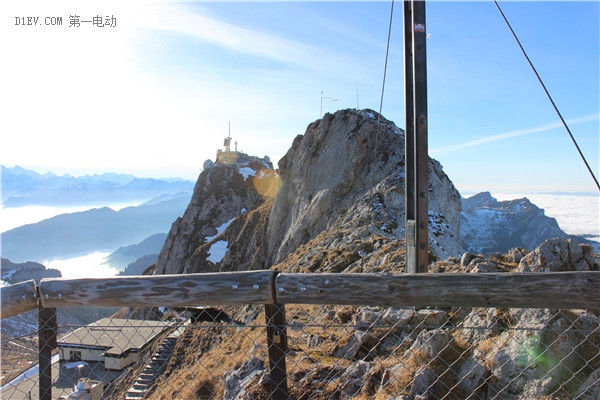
[[154, 95]]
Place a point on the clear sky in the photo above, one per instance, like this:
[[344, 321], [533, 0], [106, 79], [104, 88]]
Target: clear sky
[[153, 95]]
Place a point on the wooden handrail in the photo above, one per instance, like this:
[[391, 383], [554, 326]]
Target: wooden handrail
[[18, 298], [579, 290], [225, 288]]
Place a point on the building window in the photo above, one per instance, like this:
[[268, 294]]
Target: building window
[[75, 356]]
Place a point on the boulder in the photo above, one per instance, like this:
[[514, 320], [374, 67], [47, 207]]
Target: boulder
[[423, 382], [240, 379], [554, 255], [471, 377], [352, 380], [431, 343]]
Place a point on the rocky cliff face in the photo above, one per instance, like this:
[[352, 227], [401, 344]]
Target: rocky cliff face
[[488, 225], [345, 174], [227, 202], [347, 171], [336, 204]]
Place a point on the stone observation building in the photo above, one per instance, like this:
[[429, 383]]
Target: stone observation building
[[234, 157]]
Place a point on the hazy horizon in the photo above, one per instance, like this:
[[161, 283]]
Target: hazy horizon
[[464, 192], [154, 94]]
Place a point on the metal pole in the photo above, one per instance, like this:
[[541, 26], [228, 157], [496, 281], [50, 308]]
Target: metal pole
[[277, 346], [321, 110], [416, 153], [48, 328]]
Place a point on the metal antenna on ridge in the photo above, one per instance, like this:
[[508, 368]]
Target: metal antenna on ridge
[[227, 142]]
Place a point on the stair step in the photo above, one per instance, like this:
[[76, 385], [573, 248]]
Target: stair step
[[139, 386]]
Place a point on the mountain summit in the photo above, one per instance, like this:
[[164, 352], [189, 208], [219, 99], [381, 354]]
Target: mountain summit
[[343, 180], [336, 204], [488, 225]]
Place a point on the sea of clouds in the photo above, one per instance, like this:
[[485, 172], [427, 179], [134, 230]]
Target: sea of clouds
[[575, 214]]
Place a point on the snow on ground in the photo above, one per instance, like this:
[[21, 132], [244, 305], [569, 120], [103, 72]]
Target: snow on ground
[[220, 230], [217, 251], [74, 364], [30, 373], [246, 172]]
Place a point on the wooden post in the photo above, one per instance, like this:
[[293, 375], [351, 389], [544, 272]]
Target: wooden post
[[48, 328], [409, 141], [277, 345]]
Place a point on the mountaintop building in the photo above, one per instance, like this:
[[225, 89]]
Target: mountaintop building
[[116, 342]]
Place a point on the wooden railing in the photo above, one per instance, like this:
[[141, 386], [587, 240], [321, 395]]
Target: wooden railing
[[517, 290], [567, 290]]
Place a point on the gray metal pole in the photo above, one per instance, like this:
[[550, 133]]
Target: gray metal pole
[[417, 159]]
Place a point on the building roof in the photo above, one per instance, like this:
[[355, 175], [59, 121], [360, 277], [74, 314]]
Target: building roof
[[115, 336]]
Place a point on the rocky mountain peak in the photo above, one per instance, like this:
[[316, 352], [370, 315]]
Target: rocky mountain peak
[[226, 197], [348, 169], [345, 176], [488, 225], [483, 199]]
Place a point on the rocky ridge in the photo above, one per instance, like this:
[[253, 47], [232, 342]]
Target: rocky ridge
[[18, 272], [359, 352], [346, 173], [488, 225], [336, 205]]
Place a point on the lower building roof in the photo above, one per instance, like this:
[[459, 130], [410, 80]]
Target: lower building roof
[[116, 336]]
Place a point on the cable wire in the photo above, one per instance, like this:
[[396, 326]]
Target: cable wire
[[387, 52], [548, 94]]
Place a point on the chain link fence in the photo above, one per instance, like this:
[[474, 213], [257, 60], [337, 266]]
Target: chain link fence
[[311, 352]]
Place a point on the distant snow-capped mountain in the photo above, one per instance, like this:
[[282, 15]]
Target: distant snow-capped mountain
[[22, 187]]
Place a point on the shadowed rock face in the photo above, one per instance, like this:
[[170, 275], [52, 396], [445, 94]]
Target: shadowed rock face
[[346, 173], [224, 197], [488, 225], [347, 167]]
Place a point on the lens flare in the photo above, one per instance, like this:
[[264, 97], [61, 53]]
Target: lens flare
[[267, 183], [533, 352]]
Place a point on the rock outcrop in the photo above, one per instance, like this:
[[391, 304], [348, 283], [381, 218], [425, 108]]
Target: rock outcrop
[[345, 174], [346, 169], [19, 272], [560, 255], [488, 225], [226, 203]]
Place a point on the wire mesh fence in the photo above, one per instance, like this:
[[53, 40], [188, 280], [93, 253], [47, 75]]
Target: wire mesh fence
[[314, 352]]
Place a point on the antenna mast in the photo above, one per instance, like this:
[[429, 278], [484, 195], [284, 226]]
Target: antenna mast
[[227, 142]]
